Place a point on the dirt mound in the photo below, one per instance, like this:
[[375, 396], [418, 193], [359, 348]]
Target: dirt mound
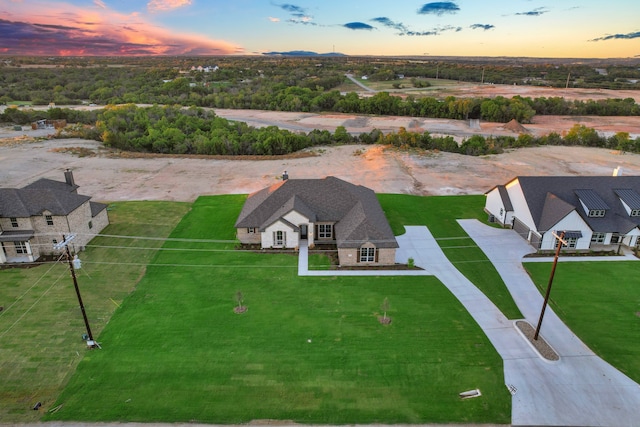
[[516, 127]]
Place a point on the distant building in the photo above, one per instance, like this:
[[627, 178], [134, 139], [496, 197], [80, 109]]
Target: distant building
[[34, 218]]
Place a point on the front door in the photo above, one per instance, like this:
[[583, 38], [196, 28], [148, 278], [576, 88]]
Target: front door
[[303, 232]]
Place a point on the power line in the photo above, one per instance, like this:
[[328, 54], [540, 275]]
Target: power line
[[32, 305], [32, 286]]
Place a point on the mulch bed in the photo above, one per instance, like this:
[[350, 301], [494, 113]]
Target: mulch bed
[[540, 344]]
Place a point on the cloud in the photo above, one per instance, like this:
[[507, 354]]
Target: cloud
[[358, 26], [272, 19], [438, 8], [535, 12], [482, 27], [292, 8], [71, 30], [100, 4], [166, 5], [434, 31], [298, 14], [391, 24], [628, 36]]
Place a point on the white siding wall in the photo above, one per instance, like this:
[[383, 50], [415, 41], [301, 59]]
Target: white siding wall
[[298, 219], [291, 237], [631, 238], [520, 207], [494, 205], [572, 222]]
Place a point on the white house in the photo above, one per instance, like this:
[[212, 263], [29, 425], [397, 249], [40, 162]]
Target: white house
[[595, 212]]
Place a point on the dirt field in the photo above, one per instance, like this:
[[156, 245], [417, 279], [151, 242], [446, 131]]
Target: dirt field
[[106, 177], [109, 178]]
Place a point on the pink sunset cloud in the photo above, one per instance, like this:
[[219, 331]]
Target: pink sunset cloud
[[62, 29]]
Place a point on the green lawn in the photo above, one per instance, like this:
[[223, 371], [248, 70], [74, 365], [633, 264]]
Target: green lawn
[[309, 349], [41, 325], [600, 302], [440, 214]]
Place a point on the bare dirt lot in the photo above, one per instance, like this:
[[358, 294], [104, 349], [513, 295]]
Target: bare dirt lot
[[109, 177]]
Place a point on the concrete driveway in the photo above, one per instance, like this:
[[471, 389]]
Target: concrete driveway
[[578, 390]]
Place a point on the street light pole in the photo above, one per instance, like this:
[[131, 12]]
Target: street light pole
[[561, 242], [65, 243]]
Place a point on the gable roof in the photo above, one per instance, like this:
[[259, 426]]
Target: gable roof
[[355, 209], [55, 197], [24, 202], [553, 211], [506, 200], [597, 191]]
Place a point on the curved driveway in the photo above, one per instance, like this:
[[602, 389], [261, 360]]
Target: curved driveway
[[580, 389]]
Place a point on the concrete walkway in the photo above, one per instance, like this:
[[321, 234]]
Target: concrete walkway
[[578, 390]]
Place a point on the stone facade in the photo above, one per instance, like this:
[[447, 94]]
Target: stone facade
[[35, 235]]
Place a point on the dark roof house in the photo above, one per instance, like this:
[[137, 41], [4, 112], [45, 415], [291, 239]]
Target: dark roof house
[[32, 218], [603, 210], [327, 210]]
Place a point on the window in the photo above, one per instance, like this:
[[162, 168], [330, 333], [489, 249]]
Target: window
[[21, 247], [325, 231], [14, 222], [49, 219], [252, 230], [635, 212], [54, 241], [90, 225], [597, 238], [279, 238], [367, 254], [597, 213], [571, 242]]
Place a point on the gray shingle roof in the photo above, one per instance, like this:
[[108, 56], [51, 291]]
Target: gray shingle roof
[[57, 197], [355, 209], [506, 200], [26, 202], [616, 219]]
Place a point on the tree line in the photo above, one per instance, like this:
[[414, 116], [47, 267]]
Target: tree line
[[193, 130]]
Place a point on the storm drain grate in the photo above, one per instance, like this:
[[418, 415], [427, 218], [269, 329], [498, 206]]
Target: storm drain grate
[[512, 389]]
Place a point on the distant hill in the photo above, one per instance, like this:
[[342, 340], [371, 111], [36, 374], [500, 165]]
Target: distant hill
[[303, 53]]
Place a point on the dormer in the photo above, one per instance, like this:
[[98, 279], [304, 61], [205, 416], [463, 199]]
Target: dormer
[[630, 201], [592, 203]]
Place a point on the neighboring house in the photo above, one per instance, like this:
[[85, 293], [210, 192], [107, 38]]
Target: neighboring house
[[34, 218], [595, 212], [319, 211]]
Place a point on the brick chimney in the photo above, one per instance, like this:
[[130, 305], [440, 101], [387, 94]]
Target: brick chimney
[[68, 178]]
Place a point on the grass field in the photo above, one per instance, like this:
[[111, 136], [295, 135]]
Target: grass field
[[41, 324], [309, 349], [600, 302]]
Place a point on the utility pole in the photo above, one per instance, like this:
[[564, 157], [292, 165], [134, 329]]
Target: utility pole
[[65, 244], [560, 242]]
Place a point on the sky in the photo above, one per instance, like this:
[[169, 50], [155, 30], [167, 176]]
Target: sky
[[524, 28]]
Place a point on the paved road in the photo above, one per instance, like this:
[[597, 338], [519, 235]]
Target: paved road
[[359, 83]]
